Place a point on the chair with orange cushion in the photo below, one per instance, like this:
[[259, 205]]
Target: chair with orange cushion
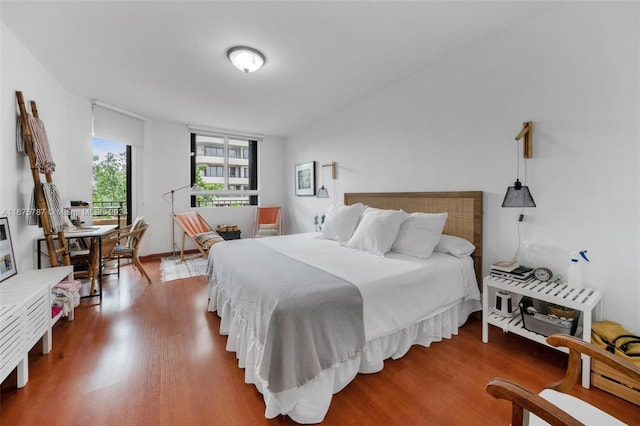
[[198, 230], [268, 222]]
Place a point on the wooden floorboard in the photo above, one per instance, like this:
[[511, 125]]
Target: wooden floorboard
[[151, 354]]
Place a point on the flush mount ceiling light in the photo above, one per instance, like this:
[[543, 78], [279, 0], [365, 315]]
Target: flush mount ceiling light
[[246, 59]]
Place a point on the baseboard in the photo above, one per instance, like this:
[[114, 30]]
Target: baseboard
[[159, 256]]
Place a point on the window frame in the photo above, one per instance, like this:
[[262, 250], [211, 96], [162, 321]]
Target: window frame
[[252, 167]]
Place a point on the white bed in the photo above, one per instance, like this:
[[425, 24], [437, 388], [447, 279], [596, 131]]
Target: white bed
[[404, 301]]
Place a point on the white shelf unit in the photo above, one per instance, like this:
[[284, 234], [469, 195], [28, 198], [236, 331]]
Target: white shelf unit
[[25, 317], [584, 300]]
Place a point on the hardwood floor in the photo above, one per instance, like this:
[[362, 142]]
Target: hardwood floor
[[150, 354]]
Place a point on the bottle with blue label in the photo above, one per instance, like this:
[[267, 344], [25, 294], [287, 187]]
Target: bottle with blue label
[[574, 277]]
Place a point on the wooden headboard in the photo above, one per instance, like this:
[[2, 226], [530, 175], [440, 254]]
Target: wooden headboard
[[464, 209]]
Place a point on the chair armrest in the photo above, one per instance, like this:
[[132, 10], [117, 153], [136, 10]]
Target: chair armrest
[[523, 399], [577, 347], [117, 231], [111, 239]]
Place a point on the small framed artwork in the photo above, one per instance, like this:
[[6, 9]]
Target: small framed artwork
[[306, 178], [7, 260]]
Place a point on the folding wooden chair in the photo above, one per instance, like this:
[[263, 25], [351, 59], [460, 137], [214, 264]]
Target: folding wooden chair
[[268, 222], [198, 230]]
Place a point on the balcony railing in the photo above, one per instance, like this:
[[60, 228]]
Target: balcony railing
[[208, 201], [109, 212]]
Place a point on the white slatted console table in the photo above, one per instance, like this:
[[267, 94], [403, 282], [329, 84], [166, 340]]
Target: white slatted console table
[[584, 300], [25, 317]]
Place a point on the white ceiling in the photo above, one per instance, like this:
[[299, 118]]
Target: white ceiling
[[167, 60]]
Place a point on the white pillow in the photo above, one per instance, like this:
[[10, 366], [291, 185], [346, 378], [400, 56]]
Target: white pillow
[[377, 231], [341, 221], [419, 234], [456, 246]]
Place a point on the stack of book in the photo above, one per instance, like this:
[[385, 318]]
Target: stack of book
[[511, 270]]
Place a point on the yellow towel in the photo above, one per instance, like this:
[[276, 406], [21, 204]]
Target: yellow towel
[[606, 334]]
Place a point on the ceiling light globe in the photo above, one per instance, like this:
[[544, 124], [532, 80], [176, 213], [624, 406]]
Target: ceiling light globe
[[246, 59]]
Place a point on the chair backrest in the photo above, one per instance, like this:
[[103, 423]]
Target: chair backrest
[[122, 236], [136, 236], [269, 215], [137, 222], [268, 222], [192, 223]]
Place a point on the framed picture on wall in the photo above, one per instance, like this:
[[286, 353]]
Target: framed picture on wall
[[7, 260], [306, 178]]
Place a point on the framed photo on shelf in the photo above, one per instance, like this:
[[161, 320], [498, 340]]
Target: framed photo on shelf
[[306, 178], [7, 260]]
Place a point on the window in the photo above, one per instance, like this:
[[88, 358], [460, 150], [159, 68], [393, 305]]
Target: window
[[227, 166], [213, 151], [111, 198], [214, 171], [114, 124]]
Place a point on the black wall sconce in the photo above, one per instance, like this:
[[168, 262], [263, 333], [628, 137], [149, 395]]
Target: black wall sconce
[[519, 195]]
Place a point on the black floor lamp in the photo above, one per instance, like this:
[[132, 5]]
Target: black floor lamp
[[193, 188]]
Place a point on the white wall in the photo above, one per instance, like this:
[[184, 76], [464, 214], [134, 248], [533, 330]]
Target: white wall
[[573, 71], [68, 125], [165, 162]]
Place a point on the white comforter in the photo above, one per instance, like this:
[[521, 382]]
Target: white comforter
[[397, 290], [406, 301]]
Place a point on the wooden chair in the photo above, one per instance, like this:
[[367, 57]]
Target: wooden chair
[[198, 230], [122, 243], [268, 222], [553, 405]]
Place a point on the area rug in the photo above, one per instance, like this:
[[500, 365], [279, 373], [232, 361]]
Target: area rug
[[173, 269]]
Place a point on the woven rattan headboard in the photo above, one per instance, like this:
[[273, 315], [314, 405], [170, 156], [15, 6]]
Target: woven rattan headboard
[[464, 209]]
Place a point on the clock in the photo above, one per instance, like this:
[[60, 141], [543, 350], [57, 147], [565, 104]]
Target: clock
[[543, 274]]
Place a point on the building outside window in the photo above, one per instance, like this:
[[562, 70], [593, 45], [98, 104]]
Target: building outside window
[[215, 154]]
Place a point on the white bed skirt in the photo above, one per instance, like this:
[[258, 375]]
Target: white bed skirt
[[310, 402]]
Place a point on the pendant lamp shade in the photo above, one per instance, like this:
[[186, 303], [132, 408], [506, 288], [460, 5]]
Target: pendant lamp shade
[[518, 196], [323, 193], [246, 59]]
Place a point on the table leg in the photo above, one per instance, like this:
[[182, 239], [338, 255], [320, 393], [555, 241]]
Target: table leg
[[100, 266], [95, 266], [485, 312]]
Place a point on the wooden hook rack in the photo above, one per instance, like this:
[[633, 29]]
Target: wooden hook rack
[[527, 134]]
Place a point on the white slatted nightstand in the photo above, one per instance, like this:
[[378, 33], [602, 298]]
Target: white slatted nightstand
[[584, 300]]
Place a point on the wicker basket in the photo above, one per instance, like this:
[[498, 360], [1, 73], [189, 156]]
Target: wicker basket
[[562, 313]]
